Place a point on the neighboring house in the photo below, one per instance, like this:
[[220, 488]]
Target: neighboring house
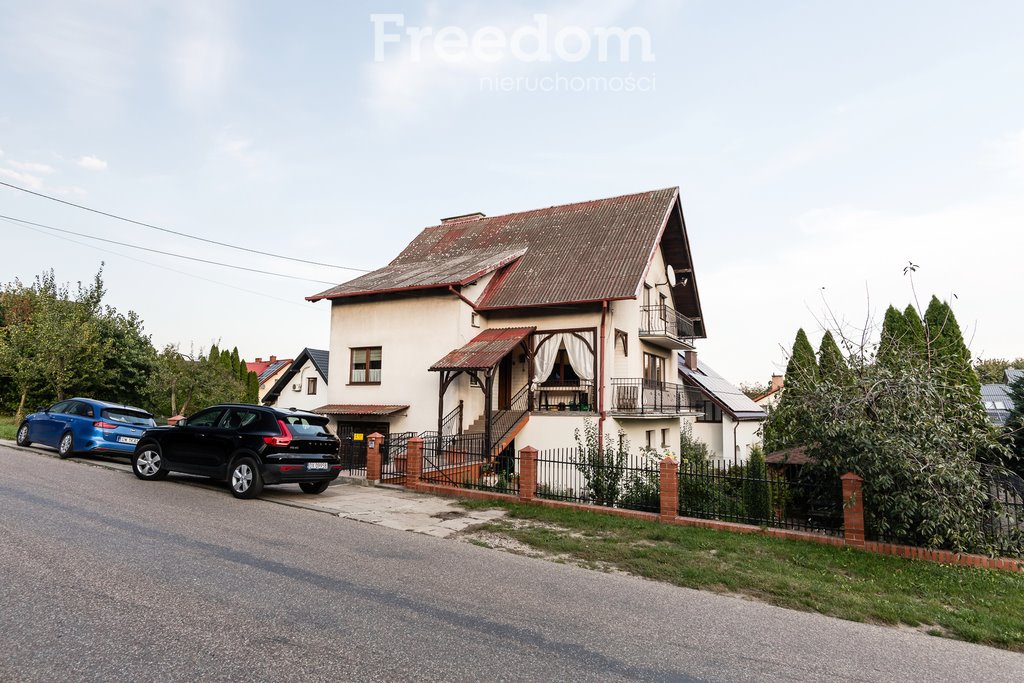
[[770, 398], [729, 420], [268, 371], [520, 327], [996, 398], [303, 384]]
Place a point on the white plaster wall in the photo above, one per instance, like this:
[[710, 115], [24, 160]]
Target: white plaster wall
[[413, 334], [711, 433], [300, 399]]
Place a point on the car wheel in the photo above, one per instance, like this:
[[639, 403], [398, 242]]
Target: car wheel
[[314, 486], [66, 447], [147, 463], [245, 479], [22, 437]]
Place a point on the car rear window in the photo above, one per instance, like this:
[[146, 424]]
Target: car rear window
[[129, 417], [306, 425]]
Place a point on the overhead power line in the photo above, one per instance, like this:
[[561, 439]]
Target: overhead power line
[[176, 232], [163, 267], [11, 219]]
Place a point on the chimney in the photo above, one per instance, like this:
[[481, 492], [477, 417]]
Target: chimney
[[464, 218], [259, 360], [691, 360], [776, 382], [273, 359]]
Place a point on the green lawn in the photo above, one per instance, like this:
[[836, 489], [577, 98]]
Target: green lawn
[[977, 605], [7, 427]]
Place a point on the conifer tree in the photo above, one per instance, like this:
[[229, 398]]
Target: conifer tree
[[802, 374], [831, 363], [214, 354], [895, 337], [949, 353], [234, 362], [916, 344]]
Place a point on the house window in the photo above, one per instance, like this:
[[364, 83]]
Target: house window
[[664, 438], [562, 373], [474, 319], [654, 368], [650, 438], [712, 413], [311, 385], [365, 367]]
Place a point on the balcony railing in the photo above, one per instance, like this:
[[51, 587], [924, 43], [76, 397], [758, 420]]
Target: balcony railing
[[565, 395], [664, 321], [651, 397]]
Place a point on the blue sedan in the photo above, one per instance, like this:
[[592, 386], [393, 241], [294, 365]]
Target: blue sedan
[[83, 425]]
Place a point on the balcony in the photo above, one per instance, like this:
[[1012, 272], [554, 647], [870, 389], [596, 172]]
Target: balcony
[[575, 395], [666, 327], [646, 398]]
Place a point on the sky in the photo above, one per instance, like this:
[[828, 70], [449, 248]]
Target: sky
[[819, 149]]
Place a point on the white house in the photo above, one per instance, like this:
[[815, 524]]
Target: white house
[[304, 384], [520, 327], [729, 422]]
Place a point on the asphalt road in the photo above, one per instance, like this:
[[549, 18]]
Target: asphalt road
[[104, 577]]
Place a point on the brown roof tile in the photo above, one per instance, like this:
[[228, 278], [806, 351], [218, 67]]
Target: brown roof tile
[[588, 251], [485, 350], [358, 409]]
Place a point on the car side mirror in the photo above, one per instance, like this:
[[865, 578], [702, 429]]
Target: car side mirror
[[43, 409]]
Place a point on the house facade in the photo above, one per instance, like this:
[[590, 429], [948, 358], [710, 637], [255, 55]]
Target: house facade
[[521, 327], [268, 372], [729, 422], [303, 385]]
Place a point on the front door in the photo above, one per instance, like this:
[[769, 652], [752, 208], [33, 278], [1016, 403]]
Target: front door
[[505, 383]]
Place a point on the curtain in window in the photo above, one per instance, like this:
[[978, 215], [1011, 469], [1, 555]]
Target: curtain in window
[[544, 361], [580, 357]]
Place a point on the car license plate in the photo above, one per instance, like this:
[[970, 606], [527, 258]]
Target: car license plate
[[127, 439], [316, 466]]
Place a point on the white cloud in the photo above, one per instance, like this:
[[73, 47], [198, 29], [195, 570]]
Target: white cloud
[[92, 163], [24, 179], [848, 255], [406, 83], [202, 52], [30, 166]]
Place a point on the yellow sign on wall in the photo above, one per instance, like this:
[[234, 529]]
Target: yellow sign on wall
[[357, 437]]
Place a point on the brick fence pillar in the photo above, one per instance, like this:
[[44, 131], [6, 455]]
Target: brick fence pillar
[[414, 468], [669, 489], [373, 458], [853, 509], [527, 473]]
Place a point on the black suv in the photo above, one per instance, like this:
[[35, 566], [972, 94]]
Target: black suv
[[245, 445]]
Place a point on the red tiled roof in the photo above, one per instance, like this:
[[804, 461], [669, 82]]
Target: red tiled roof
[[790, 456], [485, 350], [588, 251], [358, 409]]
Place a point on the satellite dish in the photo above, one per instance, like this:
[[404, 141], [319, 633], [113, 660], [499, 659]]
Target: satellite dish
[[670, 273]]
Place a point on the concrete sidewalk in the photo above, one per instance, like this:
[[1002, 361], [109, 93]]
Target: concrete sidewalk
[[387, 506]]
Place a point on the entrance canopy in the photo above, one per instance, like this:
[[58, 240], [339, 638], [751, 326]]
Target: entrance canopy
[[485, 350], [359, 409]]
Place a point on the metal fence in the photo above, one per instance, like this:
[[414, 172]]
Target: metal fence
[[731, 493], [353, 457], [393, 455], [1003, 522], [613, 479]]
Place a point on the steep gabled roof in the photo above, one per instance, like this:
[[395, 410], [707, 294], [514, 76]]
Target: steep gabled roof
[[728, 397], [318, 357], [573, 253]]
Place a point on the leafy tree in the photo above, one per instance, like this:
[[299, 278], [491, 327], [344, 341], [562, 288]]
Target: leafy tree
[[993, 370], [1014, 432], [754, 389], [20, 363], [603, 470]]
